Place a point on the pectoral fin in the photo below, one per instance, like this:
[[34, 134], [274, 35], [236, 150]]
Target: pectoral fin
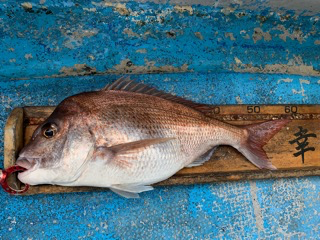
[[123, 154], [137, 145], [130, 190]]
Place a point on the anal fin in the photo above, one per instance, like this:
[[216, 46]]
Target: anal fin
[[203, 158], [130, 190], [124, 193]]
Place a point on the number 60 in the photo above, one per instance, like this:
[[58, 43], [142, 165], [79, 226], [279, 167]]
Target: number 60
[[291, 109]]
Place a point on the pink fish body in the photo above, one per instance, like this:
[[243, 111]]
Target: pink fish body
[[128, 136]]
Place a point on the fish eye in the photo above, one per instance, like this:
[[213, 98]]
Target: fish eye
[[50, 130]]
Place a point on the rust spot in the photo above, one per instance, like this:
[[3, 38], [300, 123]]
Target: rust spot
[[294, 66], [198, 35], [171, 34], [183, 9], [149, 67], [259, 34], [78, 70]]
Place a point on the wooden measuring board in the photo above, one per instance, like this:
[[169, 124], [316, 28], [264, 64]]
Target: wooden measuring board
[[295, 150]]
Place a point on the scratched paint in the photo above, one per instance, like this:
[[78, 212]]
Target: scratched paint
[[181, 37], [283, 208]]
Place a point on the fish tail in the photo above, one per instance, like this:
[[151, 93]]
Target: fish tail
[[257, 136]]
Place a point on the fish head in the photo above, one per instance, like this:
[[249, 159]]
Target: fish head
[[57, 149]]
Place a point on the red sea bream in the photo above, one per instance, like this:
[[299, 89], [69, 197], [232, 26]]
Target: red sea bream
[[129, 136]]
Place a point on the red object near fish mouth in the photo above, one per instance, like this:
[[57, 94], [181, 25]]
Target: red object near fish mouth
[[4, 174]]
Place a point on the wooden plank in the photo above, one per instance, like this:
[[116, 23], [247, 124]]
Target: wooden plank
[[13, 137], [13, 143], [226, 164], [36, 115]]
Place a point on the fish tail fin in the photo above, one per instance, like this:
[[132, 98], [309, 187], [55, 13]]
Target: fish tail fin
[[258, 135]]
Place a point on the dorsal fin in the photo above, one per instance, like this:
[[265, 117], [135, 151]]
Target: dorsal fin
[[125, 84]]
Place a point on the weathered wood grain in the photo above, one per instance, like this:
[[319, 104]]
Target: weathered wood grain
[[227, 164], [13, 142]]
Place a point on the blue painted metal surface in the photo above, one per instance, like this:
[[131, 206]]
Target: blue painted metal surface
[[95, 37], [44, 44], [279, 208]]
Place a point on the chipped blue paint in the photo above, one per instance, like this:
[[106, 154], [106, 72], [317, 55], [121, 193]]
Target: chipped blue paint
[[289, 208], [105, 38]]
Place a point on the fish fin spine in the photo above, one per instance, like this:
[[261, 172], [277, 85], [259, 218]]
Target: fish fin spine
[[124, 84]]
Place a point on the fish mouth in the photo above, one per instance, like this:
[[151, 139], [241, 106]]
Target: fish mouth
[[26, 163]]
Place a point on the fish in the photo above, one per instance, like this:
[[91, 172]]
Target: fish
[[129, 136]]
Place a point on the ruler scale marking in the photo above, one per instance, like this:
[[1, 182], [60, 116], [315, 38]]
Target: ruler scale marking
[[295, 150]]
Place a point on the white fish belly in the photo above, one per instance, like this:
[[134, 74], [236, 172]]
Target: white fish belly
[[150, 165]]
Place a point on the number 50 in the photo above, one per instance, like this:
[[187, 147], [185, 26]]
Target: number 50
[[253, 109]]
